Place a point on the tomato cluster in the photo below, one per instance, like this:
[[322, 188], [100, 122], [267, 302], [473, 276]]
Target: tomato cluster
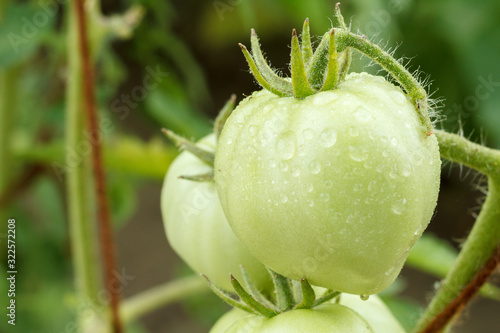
[[327, 178]]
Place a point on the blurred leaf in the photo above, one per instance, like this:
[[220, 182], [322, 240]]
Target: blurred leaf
[[174, 113], [22, 30], [122, 198], [436, 256], [407, 312]]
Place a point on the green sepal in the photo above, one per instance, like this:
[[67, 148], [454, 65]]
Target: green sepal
[[301, 87], [252, 289], [258, 76], [224, 113], [332, 75], [319, 63], [205, 177], [307, 51], [284, 294], [308, 295], [226, 297], [250, 301], [185, 144], [267, 72], [328, 295]]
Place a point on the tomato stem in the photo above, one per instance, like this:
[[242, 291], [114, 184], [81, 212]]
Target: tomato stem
[[224, 113], [472, 268]]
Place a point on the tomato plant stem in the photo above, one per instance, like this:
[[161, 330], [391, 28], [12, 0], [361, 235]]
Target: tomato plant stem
[[82, 230], [104, 216], [475, 262]]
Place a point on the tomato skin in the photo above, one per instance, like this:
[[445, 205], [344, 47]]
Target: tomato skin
[[325, 318], [335, 188], [196, 227]]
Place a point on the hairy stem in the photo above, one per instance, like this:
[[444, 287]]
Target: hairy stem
[[156, 297], [410, 84], [472, 267]]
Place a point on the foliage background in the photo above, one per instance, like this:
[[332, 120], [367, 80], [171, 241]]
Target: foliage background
[[455, 42]]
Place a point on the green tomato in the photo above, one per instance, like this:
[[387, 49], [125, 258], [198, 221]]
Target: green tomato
[[325, 318], [196, 227], [373, 311], [335, 187]]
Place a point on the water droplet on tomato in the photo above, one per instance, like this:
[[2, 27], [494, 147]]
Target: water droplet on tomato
[[358, 154], [272, 163], [310, 187], [364, 297], [315, 167], [285, 146], [394, 141], [310, 203], [283, 198], [353, 131], [398, 97], [295, 171], [308, 134], [253, 130], [328, 184], [327, 138], [399, 206], [324, 197], [283, 166]]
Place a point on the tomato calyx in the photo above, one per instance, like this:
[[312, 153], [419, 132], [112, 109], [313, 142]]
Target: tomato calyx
[[288, 295], [311, 72]]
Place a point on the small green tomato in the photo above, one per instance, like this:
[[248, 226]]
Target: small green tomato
[[196, 227]]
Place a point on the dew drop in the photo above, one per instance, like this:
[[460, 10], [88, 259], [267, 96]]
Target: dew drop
[[283, 166], [406, 170], [308, 134], [371, 185], [272, 163], [283, 198], [389, 271], [363, 115], [358, 154], [285, 146], [328, 184], [364, 297], [315, 167], [398, 97], [394, 141], [295, 171], [399, 206], [309, 187], [253, 130], [310, 203], [353, 131], [229, 141], [324, 197], [394, 172], [327, 138]]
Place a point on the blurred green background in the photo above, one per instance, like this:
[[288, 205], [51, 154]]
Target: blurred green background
[[455, 44]]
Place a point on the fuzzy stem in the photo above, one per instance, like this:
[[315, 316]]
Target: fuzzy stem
[[458, 149], [411, 85], [159, 296], [82, 230], [471, 268]]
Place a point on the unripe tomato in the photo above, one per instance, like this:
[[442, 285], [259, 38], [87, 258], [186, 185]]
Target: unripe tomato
[[373, 311], [335, 187], [326, 318], [197, 228]]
